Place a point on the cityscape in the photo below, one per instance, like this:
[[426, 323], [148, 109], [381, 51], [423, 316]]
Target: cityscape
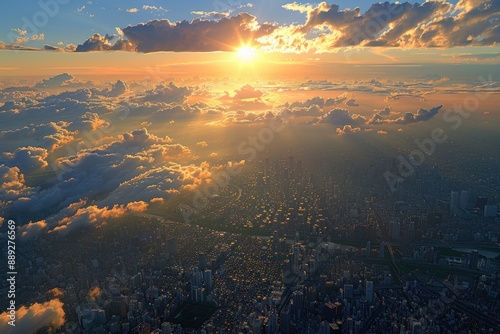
[[234, 167]]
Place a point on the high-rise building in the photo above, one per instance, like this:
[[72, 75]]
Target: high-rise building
[[382, 249], [416, 327], [272, 323], [171, 245], [348, 291], [464, 199], [474, 257], [202, 261], [368, 248], [395, 230], [481, 202], [490, 210], [285, 320], [298, 304], [207, 279], [324, 327], [454, 200], [369, 291], [166, 328]]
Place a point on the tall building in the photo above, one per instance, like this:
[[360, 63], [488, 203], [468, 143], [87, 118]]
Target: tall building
[[207, 279], [490, 210], [454, 200], [348, 291], [382, 249], [369, 291], [395, 230], [464, 199], [171, 245], [202, 261], [416, 327], [481, 202], [272, 323], [298, 304], [474, 257], [285, 320], [368, 248]]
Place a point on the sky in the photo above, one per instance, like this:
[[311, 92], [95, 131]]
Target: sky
[[459, 32], [74, 21], [109, 108]]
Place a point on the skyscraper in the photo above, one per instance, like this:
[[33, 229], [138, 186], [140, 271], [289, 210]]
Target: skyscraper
[[395, 230], [285, 320], [464, 199], [474, 257], [369, 291], [202, 261], [454, 200], [207, 279]]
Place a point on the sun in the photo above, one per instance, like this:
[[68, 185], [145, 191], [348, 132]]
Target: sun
[[246, 53]]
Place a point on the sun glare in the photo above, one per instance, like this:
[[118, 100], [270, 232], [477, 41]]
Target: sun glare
[[246, 53]]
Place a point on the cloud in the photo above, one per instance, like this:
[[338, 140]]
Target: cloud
[[102, 43], [18, 47], [421, 115], [198, 35], [48, 47], [12, 184], [167, 94], [56, 292], [202, 144], [247, 92], [245, 98], [381, 132], [50, 136], [132, 10], [347, 129], [27, 158], [32, 229], [342, 117], [92, 121], [430, 24], [117, 89], [351, 103], [192, 175], [30, 319], [149, 7], [96, 172], [55, 81], [384, 112], [94, 215], [94, 293], [213, 14], [478, 56]]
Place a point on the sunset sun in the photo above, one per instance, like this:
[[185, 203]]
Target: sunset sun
[[246, 53]]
